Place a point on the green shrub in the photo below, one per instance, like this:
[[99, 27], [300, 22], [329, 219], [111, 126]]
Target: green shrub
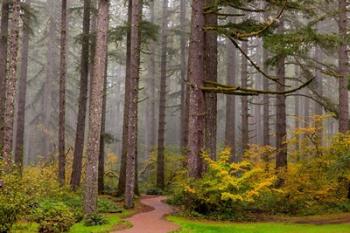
[[53, 217], [94, 219], [8, 216], [105, 205], [154, 191]]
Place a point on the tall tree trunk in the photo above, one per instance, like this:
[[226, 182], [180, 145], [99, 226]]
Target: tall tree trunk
[[22, 92], [3, 63], [210, 74], [230, 128], [162, 96], [244, 100], [343, 69], [11, 81], [196, 97], [122, 174], [95, 109], [184, 87], [101, 158], [84, 79], [266, 104], [150, 113], [134, 67], [281, 117], [62, 97], [319, 87]]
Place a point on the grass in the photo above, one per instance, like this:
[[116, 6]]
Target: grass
[[188, 226], [114, 220]]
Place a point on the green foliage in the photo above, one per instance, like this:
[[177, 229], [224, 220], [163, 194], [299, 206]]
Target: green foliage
[[53, 217], [94, 219], [188, 226]]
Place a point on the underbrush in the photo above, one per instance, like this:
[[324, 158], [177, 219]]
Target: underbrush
[[316, 181], [36, 196]]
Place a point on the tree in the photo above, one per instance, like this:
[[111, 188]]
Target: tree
[[84, 79], [196, 95], [281, 116], [210, 74], [184, 87], [62, 96], [244, 101], [134, 67], [127, 91], [162, 96], [11, 81], [3, 61], [22, 92], [343, 69], [230, 126], [95, 109]]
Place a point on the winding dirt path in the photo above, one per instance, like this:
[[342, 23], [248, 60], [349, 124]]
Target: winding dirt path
[[152, 221]]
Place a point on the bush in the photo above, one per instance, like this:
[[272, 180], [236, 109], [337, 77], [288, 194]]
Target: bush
[[105, 205], [53, 217], [225, 188], [94, 219], [8, 216]]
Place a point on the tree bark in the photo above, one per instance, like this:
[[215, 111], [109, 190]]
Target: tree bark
[[122, 173], [210, 74], [184, 86], [196, 96], [3, 63], [22, 93], [134, 67], [244, 101], [62, 96], [95, 109], [281, 117], [266, 104], [84, 79], [11, 81], [343, 69], [162, 96], [230, 128], [101, 158]]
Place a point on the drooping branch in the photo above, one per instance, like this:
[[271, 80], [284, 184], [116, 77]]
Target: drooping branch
[[214, 87]]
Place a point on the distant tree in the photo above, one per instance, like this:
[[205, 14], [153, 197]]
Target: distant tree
[[62, 96], [95, 109], [244, 100], [22, 92], [82, 107], [11, 80], [343, 68]]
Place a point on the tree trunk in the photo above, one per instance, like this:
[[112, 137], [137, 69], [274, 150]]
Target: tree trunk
[[22, 92], [62, 97], [134, 67], [162, 96], [11, 81], [3, 63], [101, 159], [266, 104], [230, 128], [281, 118], [343, 69], [196, 96], [244, 100], [84, 79], [122, 174], [184, 89], [210, 74], [95, 109]]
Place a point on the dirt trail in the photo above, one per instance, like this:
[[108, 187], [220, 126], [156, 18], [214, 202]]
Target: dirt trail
[[152, 221]]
